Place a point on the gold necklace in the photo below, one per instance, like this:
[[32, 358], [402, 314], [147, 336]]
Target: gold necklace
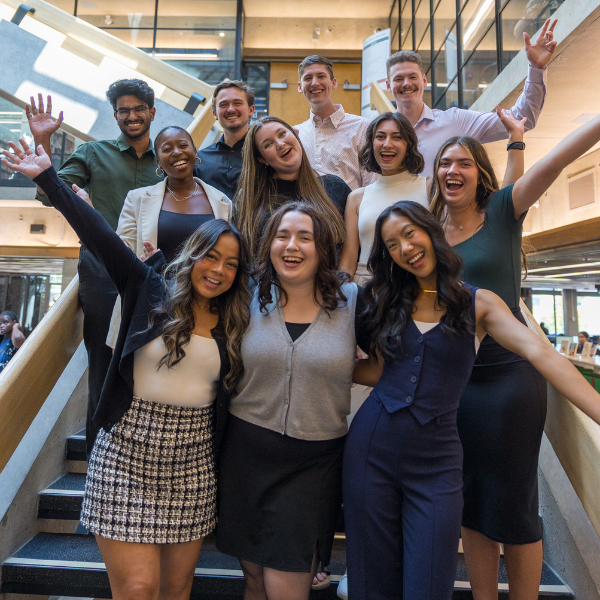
[[178, 199], [430, 291]]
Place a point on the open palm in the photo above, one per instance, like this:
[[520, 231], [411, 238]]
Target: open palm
[[41, 123], [26, 161]]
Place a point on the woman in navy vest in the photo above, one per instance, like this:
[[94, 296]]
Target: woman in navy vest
[[403, 457]]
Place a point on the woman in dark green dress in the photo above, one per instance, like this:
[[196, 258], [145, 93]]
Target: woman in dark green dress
[[502, 412]]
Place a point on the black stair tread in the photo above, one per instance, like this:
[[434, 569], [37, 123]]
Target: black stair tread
[[76, 446], [74, 482]]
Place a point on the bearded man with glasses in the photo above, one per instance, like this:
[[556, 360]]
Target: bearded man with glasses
[[107, 170]]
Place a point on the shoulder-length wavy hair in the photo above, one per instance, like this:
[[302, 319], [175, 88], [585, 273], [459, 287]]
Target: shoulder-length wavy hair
[[391, 292], [232, 306], [328, 280], [486, 186], [413, 162], [256, 198]]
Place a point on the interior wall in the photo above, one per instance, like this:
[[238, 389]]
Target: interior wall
[[291, 106]]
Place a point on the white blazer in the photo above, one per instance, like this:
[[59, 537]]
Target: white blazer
[[138, 223]]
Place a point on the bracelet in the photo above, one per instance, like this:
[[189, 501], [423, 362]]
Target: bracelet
[[516, 146]]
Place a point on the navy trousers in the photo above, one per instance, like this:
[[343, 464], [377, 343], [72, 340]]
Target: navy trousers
[[402, 505]]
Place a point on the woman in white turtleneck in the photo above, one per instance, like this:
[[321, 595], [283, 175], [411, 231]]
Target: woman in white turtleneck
[[390, 149]]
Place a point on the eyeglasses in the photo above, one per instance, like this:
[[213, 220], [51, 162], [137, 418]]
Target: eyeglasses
[[137, 111]]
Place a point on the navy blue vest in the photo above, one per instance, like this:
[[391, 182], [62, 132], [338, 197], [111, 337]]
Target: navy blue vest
[[431, 372]]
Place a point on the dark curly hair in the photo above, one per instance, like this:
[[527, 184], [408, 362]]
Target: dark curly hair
[[328, 280], [130, 87], [391, 292], [413, 161]]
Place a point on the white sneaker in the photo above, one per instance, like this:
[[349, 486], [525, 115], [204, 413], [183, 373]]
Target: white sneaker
[[342, 590]]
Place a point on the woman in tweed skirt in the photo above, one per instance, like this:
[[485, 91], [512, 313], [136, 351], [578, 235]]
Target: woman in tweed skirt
[[150, 491]]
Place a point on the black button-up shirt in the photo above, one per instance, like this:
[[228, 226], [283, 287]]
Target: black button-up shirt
[[221, 165]]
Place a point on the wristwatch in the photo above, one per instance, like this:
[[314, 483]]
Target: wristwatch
[[516, 146]]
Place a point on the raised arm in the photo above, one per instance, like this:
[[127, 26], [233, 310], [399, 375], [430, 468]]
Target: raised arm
[[93, 230], [17, 336], [515, 166], [494, 317], [543, 174], [349, 258]]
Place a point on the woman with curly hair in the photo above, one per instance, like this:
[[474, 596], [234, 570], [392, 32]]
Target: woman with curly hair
[[276, 171], [403, 459], [280, 465], [150, 495]]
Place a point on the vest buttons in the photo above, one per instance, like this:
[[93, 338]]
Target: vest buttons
[[413, 379], [417, 359], [420, 339], [408, 399]]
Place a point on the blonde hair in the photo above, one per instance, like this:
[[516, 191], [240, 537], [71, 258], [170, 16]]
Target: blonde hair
[[256, 197]]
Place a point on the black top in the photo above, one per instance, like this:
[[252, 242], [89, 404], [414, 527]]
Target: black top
[[175, 228], [141, 289], [334, 186], [296, 329], [221, 165]]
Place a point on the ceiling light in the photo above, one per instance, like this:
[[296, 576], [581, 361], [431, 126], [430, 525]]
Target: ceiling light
[[477, 21], [108, 20], [590, 264], [179, 56], [221, 34], [570, 274]]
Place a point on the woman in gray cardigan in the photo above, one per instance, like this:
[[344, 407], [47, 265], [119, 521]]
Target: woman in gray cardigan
[[280, 464]]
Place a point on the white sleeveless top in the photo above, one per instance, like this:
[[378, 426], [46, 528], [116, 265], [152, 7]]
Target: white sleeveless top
[[377, 197], [192, 382]]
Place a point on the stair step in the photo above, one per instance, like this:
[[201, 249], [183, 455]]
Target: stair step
[[62, 499], [76, 446], [71, 565]]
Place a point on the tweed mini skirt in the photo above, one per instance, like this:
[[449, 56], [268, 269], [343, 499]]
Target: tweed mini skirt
[[151, 478]]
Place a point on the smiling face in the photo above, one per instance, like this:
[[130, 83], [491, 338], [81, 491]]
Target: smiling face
[[233, 112], [389, 147], [316, 84], [409, 246], [215, 273], [293, 250], [279, 148], [458, 176], [407, 83], [133, 116], [176, 154]]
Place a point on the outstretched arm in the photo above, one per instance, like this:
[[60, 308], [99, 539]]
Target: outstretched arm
[[92, 229], [541, 176], [515, 167], [494, 317]]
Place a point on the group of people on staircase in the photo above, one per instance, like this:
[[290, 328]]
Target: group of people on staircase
[[250, 283]]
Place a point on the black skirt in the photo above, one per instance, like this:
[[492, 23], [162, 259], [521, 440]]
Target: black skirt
[[278, 497], [501, 422]]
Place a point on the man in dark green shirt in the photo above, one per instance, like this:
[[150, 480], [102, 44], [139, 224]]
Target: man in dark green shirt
[[107, 170]]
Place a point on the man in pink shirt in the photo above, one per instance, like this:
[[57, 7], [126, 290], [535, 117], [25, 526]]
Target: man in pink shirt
[[331, 137], [407, 81]]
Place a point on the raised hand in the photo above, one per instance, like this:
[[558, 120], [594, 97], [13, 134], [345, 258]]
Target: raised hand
[[514, 126], [41, 123], [26, 161], [149, 250], [82, 194], [541, 51]]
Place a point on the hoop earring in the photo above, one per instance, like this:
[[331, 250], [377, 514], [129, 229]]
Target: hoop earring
[[197, 164], [161, 174]]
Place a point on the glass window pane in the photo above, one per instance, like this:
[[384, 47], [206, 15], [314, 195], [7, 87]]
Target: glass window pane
[[480, 69], [107, 13], [548, 309], [407, 34], [209, 56], [197, 15], [450, 97], [67, 5], [476, 17], [520, 16], [422, 22], [424, 43], [140, 38], [588, 314], [443, 21], [445, 62]]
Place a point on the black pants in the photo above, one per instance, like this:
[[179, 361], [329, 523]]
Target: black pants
[[97, 295]]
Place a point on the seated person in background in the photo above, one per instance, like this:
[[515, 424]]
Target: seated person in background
[[12, 337], [544, 328], [221, 162], [583, 337]]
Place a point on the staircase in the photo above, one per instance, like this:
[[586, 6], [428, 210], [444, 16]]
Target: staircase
[[70, 564]]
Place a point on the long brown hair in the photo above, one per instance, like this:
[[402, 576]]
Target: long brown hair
[[232, 306], [328, 280], [486, 186], [256, 198]]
